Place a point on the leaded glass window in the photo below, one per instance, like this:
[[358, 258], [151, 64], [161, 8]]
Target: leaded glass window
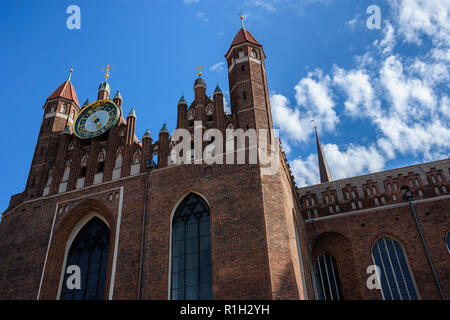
[[191, 268], [327, 278], [396, 279], [89, 251]]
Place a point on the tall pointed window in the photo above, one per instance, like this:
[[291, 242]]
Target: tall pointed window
[[136, 166], [117, 171], [396, 279], [82, 174], [89, 251], [63, 185], [327, 278], [191, 268], [48, 184], [98, 177]]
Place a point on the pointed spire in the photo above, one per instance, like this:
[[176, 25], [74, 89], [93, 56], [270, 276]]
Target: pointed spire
[[243, 36], [85, 103], [218, 89], [66, 91], [325, 175], [164, 129], [182, 100], [118, 95], [147, 134], [132, 113]]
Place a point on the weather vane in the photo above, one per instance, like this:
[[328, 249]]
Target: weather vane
[[108, 67], [242, 19], [199, 68], [314, 122], [70, 72]]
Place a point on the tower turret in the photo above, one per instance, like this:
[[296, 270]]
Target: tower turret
[[118, 99], [103, 91], [182, 121], [131, 126], [60, 110], [163, 146], [249, 92]]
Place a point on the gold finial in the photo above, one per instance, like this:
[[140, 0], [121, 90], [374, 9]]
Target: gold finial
[[242, 19], [199, 68], [108, 67], [70, 72]]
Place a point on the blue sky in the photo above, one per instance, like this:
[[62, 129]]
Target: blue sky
[[380, 97]]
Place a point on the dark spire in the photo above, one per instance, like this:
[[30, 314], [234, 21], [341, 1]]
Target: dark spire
[[164, 129], [325, 175], [217, 89], [132, 113], [182, 100], [147, 134], [118, 95]]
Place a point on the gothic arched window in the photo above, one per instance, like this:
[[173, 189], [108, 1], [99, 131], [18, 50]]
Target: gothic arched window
[[89, 251], [396, 279], [327, 278], [191, 269]]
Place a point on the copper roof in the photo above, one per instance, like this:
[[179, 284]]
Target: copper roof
[[241, 37], [66, 91], [244, 36]]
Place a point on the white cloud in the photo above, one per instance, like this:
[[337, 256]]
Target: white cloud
[[417, 18], [296, 127], [226, 106], [410, 97], [354, 161], [313, 93], [404, 99], [361, 100], [388, 43], [306, 172], [219, 67]]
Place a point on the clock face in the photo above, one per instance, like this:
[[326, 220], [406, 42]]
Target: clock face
[[96, 118]]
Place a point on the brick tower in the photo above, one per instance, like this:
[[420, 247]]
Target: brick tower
[[60, 110], [249, 94]]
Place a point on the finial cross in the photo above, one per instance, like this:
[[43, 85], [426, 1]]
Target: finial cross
[[242, 19], [199, 69], [108, 67]]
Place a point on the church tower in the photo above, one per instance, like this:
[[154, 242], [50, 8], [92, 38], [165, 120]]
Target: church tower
[[249, 94], [60, 110]]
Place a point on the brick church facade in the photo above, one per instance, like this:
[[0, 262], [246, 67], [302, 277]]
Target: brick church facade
[[143, 227]]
